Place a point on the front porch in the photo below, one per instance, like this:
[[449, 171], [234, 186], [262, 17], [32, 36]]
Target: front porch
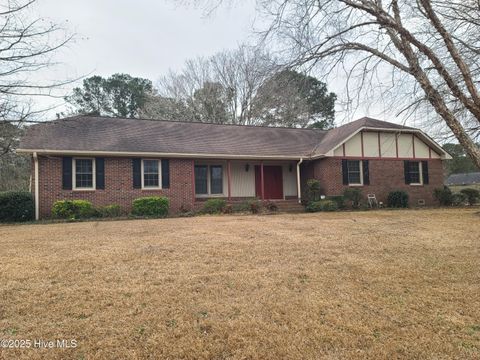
[[237, 180]]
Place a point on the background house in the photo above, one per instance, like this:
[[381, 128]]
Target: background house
[[458, 182]]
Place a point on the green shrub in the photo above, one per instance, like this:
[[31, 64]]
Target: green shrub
[[472, 195], [313, 206], [322, 205], [444, 196], [214, 206], [397, 199], [73, 209], [271, 206], [312, 191], [154, 206], [354, 195], [241, 207], [109, 211], [16, 206], [339, 199], [459, 199]]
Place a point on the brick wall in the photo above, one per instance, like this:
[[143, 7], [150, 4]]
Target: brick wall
[[118, 185], [385, 176]]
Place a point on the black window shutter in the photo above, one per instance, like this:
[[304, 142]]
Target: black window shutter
[[366, 173], [425, 172], [100, 173], [67, 173], [165, 173], [137, 173], [406, 168], [345, 172]]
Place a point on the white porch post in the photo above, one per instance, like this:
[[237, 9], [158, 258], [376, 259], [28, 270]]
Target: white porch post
[[37, 205], [229, 175], [299, 190]]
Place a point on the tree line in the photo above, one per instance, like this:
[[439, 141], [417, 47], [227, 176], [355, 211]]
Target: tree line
[[242, 87]]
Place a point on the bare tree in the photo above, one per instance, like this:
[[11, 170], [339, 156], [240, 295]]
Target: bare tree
[[425, 52], [243, 72], [223, 85], [27, 44]]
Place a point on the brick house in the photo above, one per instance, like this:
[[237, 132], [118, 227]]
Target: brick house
[[113, 161]]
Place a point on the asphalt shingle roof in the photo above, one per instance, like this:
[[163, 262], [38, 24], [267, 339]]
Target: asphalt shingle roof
[[96, 133], [463, 179]]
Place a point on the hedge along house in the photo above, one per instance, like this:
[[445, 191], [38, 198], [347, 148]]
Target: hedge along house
[[113, 161]]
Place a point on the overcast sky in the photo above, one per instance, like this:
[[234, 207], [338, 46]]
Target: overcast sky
[[146, 38]]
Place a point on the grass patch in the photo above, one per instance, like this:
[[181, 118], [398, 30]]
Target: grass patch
[[378, 284]]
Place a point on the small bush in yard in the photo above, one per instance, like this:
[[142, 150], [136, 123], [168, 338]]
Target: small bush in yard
[[109, 211], [313, 190], [322, 205], [214, 206], [397, 199], [241, 207], [354, 196], [16, 206], [339, 199], [73, 209], [155, 206], [271, 206], [472, 195], [444, 196], [459, 199]]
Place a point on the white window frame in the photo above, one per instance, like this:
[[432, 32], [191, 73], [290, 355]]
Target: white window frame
[[420, 174], [159, 175], [209, 175], [360, 164], [74, 173]]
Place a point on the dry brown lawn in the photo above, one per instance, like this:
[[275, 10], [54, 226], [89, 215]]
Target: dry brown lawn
[[382, 284]]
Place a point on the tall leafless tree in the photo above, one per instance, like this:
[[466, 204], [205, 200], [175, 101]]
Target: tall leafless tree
[[238, 74], [27, 44], [427, 50]]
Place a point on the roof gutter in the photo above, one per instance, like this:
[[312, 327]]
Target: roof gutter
[[157, 154]]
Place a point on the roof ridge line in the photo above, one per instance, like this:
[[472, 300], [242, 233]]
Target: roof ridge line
[[188, 122]]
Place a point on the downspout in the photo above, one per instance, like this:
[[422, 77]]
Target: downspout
[[37, 208], [299, 190]]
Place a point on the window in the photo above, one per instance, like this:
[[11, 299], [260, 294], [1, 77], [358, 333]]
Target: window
[[216, 179], [354, 169], [84, 174], [209, 179], [151, 174], [201, 179], [414, 173]]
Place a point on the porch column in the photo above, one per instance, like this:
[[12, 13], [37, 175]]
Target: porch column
[[37, 197], [299, 188], [193, 185], [261, 181], [229, 178]]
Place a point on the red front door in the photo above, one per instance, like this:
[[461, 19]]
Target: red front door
[[273, 182]]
